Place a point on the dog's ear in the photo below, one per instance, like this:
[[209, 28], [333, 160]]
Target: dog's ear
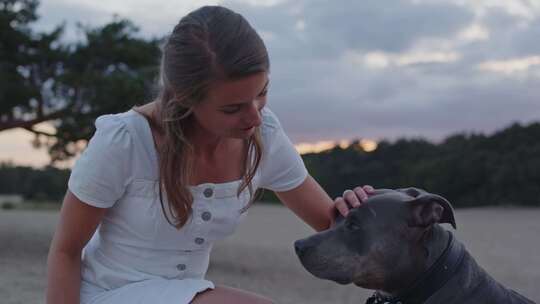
[[428, 209], [412, 191]]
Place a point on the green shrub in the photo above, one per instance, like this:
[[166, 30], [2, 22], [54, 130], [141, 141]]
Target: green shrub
[[8, 206]]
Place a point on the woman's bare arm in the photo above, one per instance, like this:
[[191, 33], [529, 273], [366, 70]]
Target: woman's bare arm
[[309, 202], [312, 204], [76, 225]]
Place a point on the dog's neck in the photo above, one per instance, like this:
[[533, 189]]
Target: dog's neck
[[434, 242], [443, 255]]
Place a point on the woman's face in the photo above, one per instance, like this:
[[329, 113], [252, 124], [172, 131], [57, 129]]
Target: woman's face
[[232, 108]]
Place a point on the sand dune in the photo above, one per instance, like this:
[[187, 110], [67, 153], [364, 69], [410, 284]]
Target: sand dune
[[260, 258]]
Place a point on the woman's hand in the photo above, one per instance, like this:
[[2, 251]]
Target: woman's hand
[[352, 199]]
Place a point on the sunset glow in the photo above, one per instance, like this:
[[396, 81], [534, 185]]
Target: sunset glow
[[304, 148]]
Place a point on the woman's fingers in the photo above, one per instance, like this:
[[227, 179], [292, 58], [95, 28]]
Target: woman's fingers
[[368, 189], [341, 206], [361, 194], [351, 198]]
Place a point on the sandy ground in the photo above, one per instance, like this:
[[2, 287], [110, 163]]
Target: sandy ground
[[260, 258]]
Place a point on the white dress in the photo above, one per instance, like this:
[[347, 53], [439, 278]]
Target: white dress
[[135, 256]]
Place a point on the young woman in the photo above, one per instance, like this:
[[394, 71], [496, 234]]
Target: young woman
[[158, 184]]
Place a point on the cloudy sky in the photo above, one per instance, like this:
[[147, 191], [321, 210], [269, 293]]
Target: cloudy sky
[[368, 69]]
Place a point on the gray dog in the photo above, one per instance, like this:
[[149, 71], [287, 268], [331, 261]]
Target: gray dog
[[394, 244]]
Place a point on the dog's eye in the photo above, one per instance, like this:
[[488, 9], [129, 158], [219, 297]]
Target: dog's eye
[[351, 225]]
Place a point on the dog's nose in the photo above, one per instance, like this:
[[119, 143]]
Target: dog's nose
[[299, 247]]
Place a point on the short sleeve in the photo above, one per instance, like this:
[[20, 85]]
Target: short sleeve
[[101, 174], [282, 168]]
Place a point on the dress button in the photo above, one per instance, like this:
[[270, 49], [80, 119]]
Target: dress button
[[181, 267], [206, 216], [199, 241], [208, 192]]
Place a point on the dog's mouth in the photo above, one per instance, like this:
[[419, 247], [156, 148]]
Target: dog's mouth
[[328, 273], [322, 268], [335, 278], [341, 281], [325, 257]]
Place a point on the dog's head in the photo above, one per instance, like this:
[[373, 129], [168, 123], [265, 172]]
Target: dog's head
[[380, 239]]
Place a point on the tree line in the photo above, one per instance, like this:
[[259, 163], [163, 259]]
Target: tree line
[[47, 184], [468, 169]]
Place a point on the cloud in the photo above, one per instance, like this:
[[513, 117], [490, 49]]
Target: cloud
[[511, 66], [153, 20], [53, 13], [376, 69]]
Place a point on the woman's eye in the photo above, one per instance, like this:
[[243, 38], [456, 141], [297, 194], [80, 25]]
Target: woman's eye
[[230, 110], [263, 93]]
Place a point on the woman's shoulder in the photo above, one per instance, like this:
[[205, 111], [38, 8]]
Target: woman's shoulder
[[124, 122], [270, 122], [111, 122], [114, 129], [272, 132], [106, 165]]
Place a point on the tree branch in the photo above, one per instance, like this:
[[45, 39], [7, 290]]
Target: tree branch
[[27, 124], [39, 132]]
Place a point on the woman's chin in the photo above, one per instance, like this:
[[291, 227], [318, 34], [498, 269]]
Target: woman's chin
[[244, 133]]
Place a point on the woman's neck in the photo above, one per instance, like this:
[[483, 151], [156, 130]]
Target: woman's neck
[[205, 145]]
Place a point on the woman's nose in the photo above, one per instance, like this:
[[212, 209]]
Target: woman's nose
[[254, 115]]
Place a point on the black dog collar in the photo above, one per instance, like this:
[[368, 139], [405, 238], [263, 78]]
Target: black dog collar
[[378, 298], [433, 279]]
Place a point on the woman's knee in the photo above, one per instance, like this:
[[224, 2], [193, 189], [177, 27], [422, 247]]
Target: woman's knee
[[225, 294]]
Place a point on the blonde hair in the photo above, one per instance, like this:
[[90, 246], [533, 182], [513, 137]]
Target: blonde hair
[[209, 44]]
